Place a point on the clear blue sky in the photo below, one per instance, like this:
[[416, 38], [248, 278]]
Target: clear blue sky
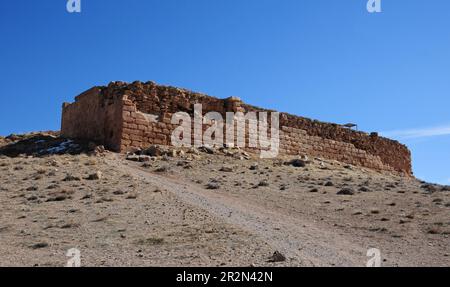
[[325, 59]]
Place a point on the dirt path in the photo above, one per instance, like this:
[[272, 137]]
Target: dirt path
[[303, 242]]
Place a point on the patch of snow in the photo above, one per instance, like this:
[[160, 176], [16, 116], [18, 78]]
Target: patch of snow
[[61, 147]]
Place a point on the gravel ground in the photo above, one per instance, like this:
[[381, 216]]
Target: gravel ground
[[220, 209]]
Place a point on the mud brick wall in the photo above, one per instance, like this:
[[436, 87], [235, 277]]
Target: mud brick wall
[[127, 116]]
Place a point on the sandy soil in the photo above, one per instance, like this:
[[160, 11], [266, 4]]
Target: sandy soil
[[200, 209]]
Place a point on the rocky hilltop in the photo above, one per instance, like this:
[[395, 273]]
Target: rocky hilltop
[[161, 206]]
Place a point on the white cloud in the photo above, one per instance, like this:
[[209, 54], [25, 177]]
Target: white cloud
[[419, 133]]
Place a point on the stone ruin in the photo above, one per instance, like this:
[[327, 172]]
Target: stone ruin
[[124, 117]]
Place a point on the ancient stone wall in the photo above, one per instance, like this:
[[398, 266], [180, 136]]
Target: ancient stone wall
[[128, 116], [94, 117]]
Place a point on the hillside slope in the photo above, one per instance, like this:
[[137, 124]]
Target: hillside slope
[[209, 208]]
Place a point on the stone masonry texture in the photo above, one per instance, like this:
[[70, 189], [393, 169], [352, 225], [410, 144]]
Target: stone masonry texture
[[125, 117]]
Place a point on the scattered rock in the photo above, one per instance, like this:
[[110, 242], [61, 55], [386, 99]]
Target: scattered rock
[[70, 177], [314, 190], [32, 198], [226, 169], [433, 230], [162, 169], [60, 197], [378, 229], [132, 157], [138, 158], [155, 150], [296, 163], [364, 189], [4, 228], [329, 183], [254, 166], [173, 153], [183, 163], [52, 173], [430, 188], [263, 183], [304, 157], [277, 257], [69, 225], [346, 191], [38, 177], [132, 195], [99, 149], [150, 241], [193, 151], [144, 158], [206, 149], [322, 165], [95, 176], [106, 199], [39, 245], [52, 186], [100, 219], [213, 185], [146, 165]]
